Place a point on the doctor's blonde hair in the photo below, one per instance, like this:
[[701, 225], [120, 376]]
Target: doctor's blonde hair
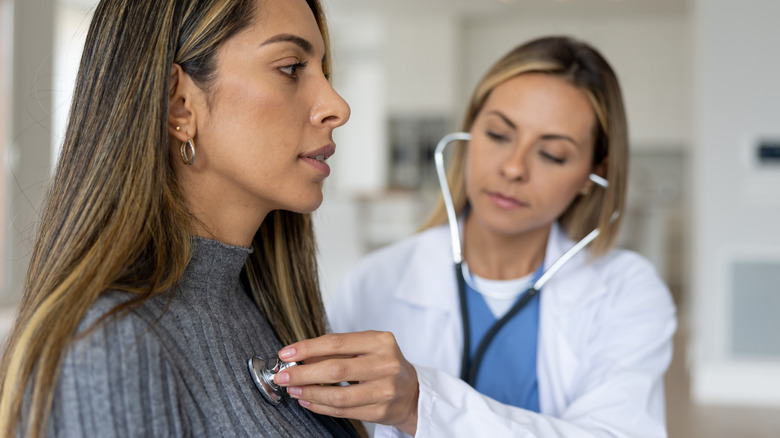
[[583, 67], [114, 216]]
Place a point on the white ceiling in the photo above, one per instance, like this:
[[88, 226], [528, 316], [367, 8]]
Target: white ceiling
[[467, 8]]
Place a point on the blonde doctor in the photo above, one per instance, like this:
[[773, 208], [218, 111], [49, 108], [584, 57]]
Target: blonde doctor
[[480, 351]]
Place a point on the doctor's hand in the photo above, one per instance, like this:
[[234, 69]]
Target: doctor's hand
[[383, 387]]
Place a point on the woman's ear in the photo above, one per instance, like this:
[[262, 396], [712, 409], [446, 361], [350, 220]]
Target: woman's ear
[[181, 108]]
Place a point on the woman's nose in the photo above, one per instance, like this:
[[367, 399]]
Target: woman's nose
[[332, 110]]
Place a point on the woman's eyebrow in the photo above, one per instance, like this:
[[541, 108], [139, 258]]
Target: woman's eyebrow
[[289, 38]]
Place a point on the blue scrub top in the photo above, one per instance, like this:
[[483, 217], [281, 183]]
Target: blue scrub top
[[508, 370]]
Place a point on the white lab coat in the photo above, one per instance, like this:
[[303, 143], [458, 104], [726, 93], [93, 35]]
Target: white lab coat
[[605, 341]]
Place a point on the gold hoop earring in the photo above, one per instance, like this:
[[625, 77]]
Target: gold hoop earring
[[188, 156]]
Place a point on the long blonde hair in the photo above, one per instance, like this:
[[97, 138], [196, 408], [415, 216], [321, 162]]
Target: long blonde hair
[[114, 216], [583, 67]]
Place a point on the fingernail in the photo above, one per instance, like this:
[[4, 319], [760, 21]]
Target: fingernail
[[282, 378], [287, 352], [304, 403], [295, 391]]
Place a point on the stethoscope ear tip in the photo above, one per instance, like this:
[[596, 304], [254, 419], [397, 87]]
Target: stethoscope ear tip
[[600, 180]]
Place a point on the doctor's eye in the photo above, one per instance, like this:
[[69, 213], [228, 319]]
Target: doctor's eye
[[293, 70], [552, 158], [496, 136]]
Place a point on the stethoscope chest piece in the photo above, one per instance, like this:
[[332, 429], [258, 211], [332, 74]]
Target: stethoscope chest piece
[[263, 376]]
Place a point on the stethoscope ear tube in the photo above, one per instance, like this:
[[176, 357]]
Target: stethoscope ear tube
[[600, 180], [558, 264], [441, 172]]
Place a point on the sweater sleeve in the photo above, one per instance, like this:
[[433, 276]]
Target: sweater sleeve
[[116, 381]]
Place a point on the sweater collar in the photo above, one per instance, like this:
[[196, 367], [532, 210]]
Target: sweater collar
[[214, 265]]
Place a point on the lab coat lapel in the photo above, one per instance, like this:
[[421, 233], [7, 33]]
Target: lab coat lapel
[[563, 321], [576, 283], [429, 287], [430, 281]]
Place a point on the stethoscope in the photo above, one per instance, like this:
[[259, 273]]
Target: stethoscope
[[263, 376], [262, 372], [470, 366]]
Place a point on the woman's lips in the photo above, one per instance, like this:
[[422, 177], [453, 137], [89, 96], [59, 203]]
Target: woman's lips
[[317, 159], [506, 202], [321, 166]]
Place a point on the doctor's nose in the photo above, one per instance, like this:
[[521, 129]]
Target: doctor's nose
[[515, 165]]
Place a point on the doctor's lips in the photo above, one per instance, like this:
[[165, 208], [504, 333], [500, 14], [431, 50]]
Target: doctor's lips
[[506, 202], [318, 157]]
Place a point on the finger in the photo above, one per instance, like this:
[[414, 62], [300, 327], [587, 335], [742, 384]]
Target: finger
[[349, 396], [371, 413], [350, 344], [360, 368], [313, 360]]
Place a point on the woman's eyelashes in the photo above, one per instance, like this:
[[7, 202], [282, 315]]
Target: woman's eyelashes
[[293, 70]]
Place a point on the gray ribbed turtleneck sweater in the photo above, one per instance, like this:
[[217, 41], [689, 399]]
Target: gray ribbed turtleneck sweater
[[186, 374]]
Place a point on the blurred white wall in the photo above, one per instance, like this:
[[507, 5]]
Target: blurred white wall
[[423, 46], [6, 39], [28, 148], [650, 53], [736, 203], [359, 72]]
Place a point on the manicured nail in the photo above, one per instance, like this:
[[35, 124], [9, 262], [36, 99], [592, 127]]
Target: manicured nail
[[304, 403], [282, 378], [287, 352], [295, 391]]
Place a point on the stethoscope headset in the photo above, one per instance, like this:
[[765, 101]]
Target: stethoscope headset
[[470, 366]]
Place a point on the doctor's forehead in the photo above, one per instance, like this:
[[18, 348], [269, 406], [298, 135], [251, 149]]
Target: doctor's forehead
[[543, 101]]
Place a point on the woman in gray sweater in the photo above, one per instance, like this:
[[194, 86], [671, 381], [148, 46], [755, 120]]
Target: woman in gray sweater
[[175, 241]]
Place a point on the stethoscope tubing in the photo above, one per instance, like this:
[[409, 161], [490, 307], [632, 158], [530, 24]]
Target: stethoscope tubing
[[438, 158]]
